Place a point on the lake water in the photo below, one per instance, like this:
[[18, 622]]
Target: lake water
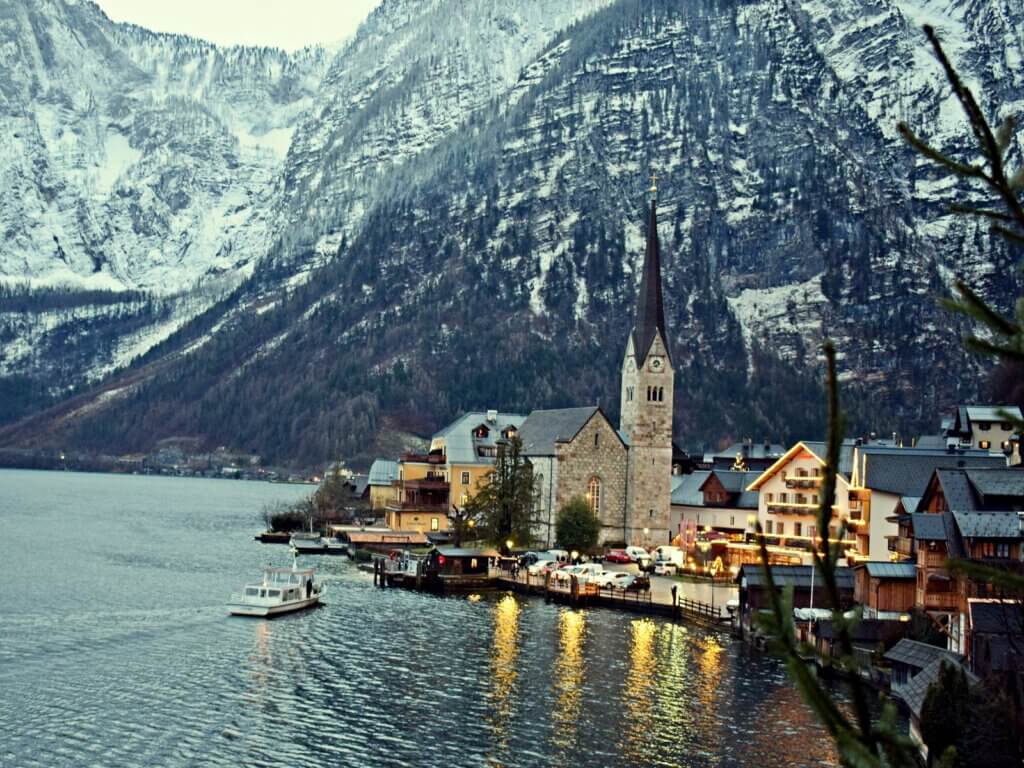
[[116, 650]]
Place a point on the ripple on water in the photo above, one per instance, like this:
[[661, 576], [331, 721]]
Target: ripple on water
[[117, 651]]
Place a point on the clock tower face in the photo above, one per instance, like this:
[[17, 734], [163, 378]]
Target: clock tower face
[[657, 364]]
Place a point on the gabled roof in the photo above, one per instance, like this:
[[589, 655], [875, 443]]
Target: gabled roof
[[731, 480], [543, 429], [910, 503], [914, 691], [751, 451], [928, 526], [919, 655], [906, 471], [383, 472], [988, 525], [650, 310], [997, 617], [991, 412], [460, 446], [1002, 482], [956, 489], [816, 449], [688, 491], [887, 570]]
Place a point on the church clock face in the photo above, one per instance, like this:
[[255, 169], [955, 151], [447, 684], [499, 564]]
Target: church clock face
[[656, 364]]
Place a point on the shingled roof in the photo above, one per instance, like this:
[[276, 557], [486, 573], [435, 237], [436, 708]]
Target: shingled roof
[[914, 691], [1004, 483], [688, 492], [650, 310], [919, 655], [988, 525], [997, 617], [906, 471], [795, 575], [543, 429]]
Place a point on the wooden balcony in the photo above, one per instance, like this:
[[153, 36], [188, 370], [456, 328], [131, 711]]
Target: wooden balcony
[[417, 506], [938, 601], [423, 458], [803, 482]]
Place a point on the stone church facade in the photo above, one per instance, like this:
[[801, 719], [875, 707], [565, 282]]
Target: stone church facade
[[624, 474]]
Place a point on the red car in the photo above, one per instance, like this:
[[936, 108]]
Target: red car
[[617, 556]]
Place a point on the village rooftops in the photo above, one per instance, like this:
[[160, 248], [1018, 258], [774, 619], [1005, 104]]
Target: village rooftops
[[473, 438], [914, 692], [543, 430], [818, 450], [968, 414], [980, 489], [989, 525], [383, 472], [687, 491], [906, 471], [919, 655], [887, 570], [797, 576], [997, 617]]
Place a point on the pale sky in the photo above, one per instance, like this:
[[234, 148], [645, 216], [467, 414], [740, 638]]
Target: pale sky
[[288, 24]]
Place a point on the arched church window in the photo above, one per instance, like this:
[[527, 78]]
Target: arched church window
[[594, 495], [661, 394]]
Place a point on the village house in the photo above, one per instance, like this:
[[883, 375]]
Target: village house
[[382, 476], [713, 502], [747, 456], [460, 458], [808, 590], [882, 475], [972, 514], [908, 657], [885, 589], [984, 427], [788, 502], [576, 452]]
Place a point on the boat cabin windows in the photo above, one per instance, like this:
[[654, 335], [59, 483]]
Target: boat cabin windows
[[273, 593], [252, 591]]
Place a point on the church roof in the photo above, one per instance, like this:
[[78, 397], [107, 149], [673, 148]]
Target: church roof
[[650, 309], [542, 429]]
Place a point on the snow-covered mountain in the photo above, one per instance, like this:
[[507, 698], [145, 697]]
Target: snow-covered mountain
[[458, 218]]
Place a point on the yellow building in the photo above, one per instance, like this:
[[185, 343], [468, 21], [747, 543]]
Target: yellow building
[[430, 485], [383, 474]]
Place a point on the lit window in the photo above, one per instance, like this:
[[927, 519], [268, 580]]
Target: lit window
[[594, 495], [984, 444], [434, 524]]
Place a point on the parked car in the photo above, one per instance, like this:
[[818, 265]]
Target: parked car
[[587, 572], [558, 555], [669, 554], [640, 556], [640, 582], [614, 579], [539, 568], [663, 568], [563, 575], [618, 556]]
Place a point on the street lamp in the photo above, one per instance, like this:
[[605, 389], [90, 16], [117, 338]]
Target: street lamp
[[508, 544]]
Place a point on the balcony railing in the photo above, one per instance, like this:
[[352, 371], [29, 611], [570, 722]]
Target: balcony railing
[[426, 484], [793, 508], [417, 506], [423, 458], [803, 482]]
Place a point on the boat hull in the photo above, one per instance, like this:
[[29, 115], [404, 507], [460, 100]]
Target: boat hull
[[268, 611]]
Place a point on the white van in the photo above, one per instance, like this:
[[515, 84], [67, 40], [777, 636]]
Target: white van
[[669, 554], [558, 555]]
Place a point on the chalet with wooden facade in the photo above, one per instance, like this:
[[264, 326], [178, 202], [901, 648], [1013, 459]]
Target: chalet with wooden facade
[[885, 589], [972, 514]]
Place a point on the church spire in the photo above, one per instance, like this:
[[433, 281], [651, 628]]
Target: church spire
[[650, 311]]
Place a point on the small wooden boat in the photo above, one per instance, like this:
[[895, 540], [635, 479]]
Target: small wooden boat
[[283, 590]]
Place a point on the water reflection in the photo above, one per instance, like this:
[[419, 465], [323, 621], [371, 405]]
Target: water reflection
[[503, 668], [637, 691], [566, 713]]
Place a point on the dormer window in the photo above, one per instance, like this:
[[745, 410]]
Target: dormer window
[[481, 432], [509, 432]]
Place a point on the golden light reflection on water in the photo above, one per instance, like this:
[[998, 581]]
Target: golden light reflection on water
[[568, 679], [503, 667], [260, 661], [636, 694], [783, 726]]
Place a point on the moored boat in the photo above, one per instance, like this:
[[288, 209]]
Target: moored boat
[[314, 544], [282, 590]]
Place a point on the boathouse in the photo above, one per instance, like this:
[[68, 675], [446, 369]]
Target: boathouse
[[808, 589]]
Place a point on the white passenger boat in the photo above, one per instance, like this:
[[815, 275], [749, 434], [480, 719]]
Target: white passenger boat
[[282, 590]]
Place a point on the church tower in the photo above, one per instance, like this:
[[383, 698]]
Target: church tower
[[646, 410]]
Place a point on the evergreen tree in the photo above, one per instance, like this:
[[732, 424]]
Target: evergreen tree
[[504, 502], [944, 712], [577, 527]]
